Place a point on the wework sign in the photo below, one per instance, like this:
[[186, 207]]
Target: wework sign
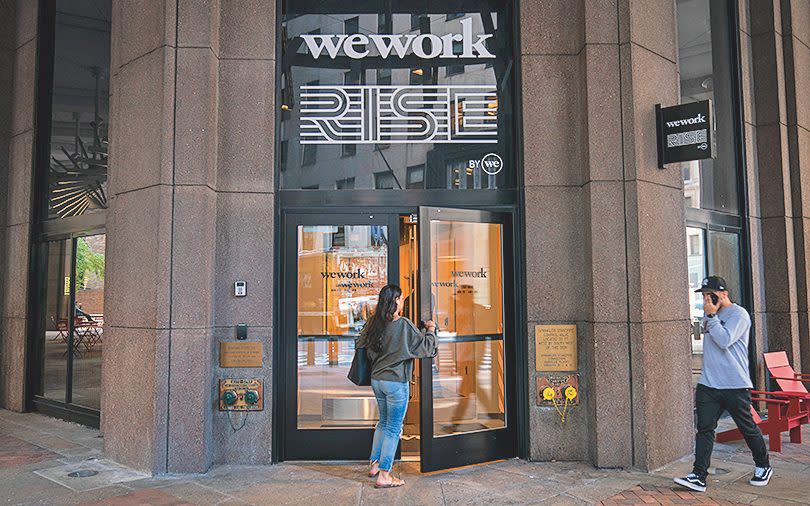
[[684, 132], [427, 45]]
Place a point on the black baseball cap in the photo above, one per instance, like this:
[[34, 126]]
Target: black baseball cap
[[712, 284]]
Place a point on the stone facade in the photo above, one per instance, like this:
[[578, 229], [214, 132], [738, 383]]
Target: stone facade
[[18, 58], [192, 207]]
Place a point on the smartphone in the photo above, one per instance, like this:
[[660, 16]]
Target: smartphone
[[714, 298]]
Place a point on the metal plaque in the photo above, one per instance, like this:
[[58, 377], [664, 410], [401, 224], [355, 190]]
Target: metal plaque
[[558, 383], [555, 347], [241, 389], [240, 354]]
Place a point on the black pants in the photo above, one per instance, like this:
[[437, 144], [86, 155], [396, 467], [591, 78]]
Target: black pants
[[710, 403]]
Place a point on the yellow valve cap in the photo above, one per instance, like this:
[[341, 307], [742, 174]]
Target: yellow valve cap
[[548, 393], [570, 393]]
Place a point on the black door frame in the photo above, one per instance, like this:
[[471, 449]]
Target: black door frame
[[66, 410], [481, 446], [320, 444], [325, 204]]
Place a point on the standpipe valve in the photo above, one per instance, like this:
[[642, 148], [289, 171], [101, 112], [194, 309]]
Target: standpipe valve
[[570, 393]]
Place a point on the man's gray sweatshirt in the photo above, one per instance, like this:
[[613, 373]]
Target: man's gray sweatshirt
[[725, 349]]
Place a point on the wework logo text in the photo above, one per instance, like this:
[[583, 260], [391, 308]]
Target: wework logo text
[[426, 45]]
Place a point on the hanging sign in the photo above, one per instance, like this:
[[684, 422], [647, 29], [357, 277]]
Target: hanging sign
[[684, 132]]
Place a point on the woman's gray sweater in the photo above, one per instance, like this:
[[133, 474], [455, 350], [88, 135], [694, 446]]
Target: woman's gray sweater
[[401, 343]]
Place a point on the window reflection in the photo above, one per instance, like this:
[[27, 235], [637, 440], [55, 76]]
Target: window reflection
[[89, 321], [466, 299], [74, 320], [696, 258], [444, 164], [77, 181], [704, 61], [57, 319], [341, 270]]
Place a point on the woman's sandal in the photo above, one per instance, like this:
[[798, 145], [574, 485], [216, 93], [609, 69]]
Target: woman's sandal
[[395, 482], [374, 470]]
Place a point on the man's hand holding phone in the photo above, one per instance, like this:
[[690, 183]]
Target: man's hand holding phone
[[711, 303]]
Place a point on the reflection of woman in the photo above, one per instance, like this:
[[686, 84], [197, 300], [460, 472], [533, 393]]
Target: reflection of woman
[[392, 342]]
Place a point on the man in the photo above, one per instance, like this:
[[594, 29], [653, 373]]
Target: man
[[77, 311], [724, 384]]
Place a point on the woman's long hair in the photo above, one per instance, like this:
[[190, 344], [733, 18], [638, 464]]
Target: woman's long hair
[[374, 329]]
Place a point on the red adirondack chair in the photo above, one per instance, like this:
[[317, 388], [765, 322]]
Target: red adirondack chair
[[783, 416], [790, 382]]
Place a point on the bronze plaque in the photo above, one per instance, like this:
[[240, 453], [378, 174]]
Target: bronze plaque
[[240, 354], [556, 347]]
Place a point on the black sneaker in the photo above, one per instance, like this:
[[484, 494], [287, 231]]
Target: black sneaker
[[692, 482], [762, 475]]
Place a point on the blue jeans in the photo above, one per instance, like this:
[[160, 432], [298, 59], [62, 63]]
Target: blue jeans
[[392, 400]]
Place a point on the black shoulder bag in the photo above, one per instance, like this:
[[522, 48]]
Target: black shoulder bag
[[360, 371]]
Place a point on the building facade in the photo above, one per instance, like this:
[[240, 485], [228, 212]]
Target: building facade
[[191, 183]]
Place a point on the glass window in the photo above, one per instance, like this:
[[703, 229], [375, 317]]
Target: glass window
[[697, 271], [345, 184], [385, 181], [467, 286], [73, 320], [341, 270], [77, 181], [383, 76], [383, 23], [309, 154], [89, 321], [724, 259], [705, 64], [57, 319], [416, 177], [351, 25], [706, 68], [456, 69], [349, 150], [430, 108]]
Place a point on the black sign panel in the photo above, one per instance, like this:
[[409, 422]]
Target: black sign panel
[[684, 132]]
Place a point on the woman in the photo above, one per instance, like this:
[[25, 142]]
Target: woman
[[392, 342]]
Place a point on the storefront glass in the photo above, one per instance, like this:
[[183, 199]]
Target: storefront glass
[[77, 173], [696, 257], [388, 99], [70, 209], [57, 324], [73, 323], [467, 294], [704, 61], [341, 270], [89, 322], [712, 196]]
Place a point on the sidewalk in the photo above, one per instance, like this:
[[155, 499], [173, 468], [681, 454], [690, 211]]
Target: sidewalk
[[37, 455]]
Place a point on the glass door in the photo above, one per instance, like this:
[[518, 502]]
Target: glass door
[[67, 377], [335, 266], [467, 414]]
